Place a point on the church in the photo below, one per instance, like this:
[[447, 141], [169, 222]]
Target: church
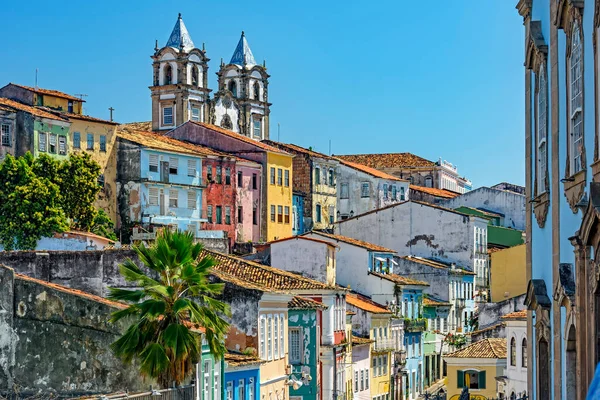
[[180, 89]]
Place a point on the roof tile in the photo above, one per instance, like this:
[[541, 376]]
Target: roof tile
[[303, 303], [50, 92], [237, 360], [38, 112], [401, 280], [444, 193], [354, 242], [366, 304], [293, 148], [516, 315], [388, 160], [485, 348], [357, 340], [371, 171], [237, 136], [88, 118]]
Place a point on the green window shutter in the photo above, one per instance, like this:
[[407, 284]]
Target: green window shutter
[[482, 380], [460, 379]]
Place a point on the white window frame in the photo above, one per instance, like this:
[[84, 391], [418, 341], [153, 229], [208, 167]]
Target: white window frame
[[5, 129], [168, 118], [173, 198], [263, 335], [229, 390], [52, 141], [575, 89], [250, 388], [241, 389], [276, 337], [195, 114], [62, 145], [206, 380], [542, 130], [42, 141], [269, 337], [295, 348], [281, 335], [153, 162], [153, 196]]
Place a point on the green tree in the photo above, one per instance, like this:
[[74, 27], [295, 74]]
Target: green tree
[[175, 295], [103, 226], [29, 205]]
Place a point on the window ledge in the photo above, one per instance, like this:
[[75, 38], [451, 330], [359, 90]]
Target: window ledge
[[574, 189], [540, 208]]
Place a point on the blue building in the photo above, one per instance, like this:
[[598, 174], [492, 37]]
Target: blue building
[[297, 214], [242, 377], [411, 308]]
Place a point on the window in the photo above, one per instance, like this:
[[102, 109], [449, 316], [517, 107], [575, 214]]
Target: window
[[272, 176], [317, 176], [227, 215], [367, 380], [287, 178], [542, 131], [209, 173], [385, 362], [6, 135], [250, 388], [385, 191], [524, 353], [401, 193], [194, 75], [230, 390], [256, 91], [318, 212], [513, 352], [101, 180], [240, 214], [206, 381], [217, 381], [286, 214], [374, 366], [191, 200], [254, 216], [263, 333], [254, 181], [167, 115], [365, 189], [191, 164], [209, 214], [344, 192], [70, 106], [219, 219], [257, 130], [279, 177], [228, 176], [173, 198], [232, 86], [219, 174], [90, 141], [272, 213], [102, 142], [153, 163], [282, 344], [475, 379], [576, 100], [173, 165], [240, 179], [331, 178], [195, 114], [394, 192], [356, 380], [331, 214], [153, 196], [76, 140], [62, 145], [276, 337], [241, 389], [280, 214], [269, 337], [168, 75]]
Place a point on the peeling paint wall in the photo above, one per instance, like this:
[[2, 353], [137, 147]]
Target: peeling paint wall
[[58, 342], [305, 257], [307, 322]]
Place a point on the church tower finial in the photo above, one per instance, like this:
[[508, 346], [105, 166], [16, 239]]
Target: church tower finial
[[242, 54], [180, 36]]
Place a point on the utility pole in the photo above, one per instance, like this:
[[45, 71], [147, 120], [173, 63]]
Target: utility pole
[[111, 113]]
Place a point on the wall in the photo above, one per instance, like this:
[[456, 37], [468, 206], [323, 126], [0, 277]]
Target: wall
[[511, 204], [508, 273], [279, 196], [492, 369], [305, 257], [307, 321], [249, 199], [516, 375], [9, 117], [361, 364], [504, 236], [235, 374], [56, 340], [50, 127], [220, 194], [436, 277], [323, 194], [298, 226], [491, 313]]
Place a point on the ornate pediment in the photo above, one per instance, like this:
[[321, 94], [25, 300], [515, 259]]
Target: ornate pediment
[[537, 295], [565, 10], [565, 285], [524, 8], [537, 49]]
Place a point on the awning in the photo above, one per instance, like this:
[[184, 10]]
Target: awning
[[380, 259]]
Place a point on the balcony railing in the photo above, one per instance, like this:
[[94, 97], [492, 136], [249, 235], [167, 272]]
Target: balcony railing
[[383, 344], [459, 303], [400, 358], [415, 325]]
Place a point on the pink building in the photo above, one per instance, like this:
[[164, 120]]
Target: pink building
[[248, 200]]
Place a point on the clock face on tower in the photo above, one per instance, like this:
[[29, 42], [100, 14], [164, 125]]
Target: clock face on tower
[[227, 102]]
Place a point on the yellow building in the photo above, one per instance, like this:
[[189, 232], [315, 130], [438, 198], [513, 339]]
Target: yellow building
[[508, 273], [476, 367], [279, 195]]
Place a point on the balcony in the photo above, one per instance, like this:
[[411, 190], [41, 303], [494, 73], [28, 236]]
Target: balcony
[[459, 303], [400, 358], [383, 344], [415, 325]]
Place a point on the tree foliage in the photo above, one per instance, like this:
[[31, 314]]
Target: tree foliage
[[42, 196], [167, 305]]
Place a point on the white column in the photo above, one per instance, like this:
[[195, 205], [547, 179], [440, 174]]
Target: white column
[[328, 328], [328, 374]]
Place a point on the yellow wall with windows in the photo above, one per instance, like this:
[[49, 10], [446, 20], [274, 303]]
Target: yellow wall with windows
[[380, 376], [324, 194], [491, 372], [107, 199], [279, 195], [57, 103], [508, 273]]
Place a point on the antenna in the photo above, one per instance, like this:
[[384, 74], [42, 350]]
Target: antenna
[[81, 96], [36, 76], [111, 113], [278, 131]]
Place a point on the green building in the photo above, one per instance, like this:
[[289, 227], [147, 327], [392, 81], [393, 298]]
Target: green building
[[497, 234], [435, 311]]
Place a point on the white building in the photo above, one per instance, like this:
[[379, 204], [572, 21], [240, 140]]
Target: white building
[[361, 364], [514, 382], [450, 179], [362, 189]]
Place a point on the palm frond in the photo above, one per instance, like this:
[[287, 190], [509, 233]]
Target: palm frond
[[132, 296], [124, 313], [179, 339], [154, 360]]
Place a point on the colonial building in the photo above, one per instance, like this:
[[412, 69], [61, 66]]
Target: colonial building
[[514, 380], [419, 171], [180, 89], [562, 193]]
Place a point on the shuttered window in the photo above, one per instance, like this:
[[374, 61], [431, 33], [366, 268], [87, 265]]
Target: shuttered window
[[191, 165], [153, 196], [191, 200], [153, 163]]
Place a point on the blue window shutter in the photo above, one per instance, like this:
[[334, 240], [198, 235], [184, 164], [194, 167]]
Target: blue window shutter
[[460, 379], [482, 380]]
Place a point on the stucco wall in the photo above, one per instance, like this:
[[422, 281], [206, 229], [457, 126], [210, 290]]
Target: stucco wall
[[491, 371], [305, 257], [508, 273], [54, 341], [249, 199], [491, 313], [516, 375]]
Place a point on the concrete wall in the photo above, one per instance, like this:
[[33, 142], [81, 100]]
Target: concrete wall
[[516, 375], [511, 204], [56, 340], [491, 313], [306, 257], [307, 322], [508, 273], [361, 364], [249, 199]]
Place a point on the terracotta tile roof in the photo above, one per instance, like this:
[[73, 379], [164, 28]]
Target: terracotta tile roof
[[293, 148], [485, 348], [400, 280], [355, 242], [49, 92], [75, 292], [366, 304], [159, 142], [256, 276], [438, 264], [16, 106], [239, 137], [304, 303], [388, 160], [81, 233], [137, 126], [430, 302], [301, 237], [516, 315], [357, 340], [371, 171], [88, 118], [237, 360], [444, 193]]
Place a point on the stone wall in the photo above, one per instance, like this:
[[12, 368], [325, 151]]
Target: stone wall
[[57, 340]]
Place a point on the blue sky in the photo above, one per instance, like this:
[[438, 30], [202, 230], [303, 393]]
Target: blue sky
[[435, 78]]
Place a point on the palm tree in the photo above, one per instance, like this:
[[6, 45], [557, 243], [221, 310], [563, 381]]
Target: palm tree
[[173, 299]]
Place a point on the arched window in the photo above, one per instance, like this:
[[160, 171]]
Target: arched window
[[232, 86], [524, 353], [429, 182], [513, 352], [168, 74], [226, 122], [542, 130], [576, 100], [256, 91], [194, 75]]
